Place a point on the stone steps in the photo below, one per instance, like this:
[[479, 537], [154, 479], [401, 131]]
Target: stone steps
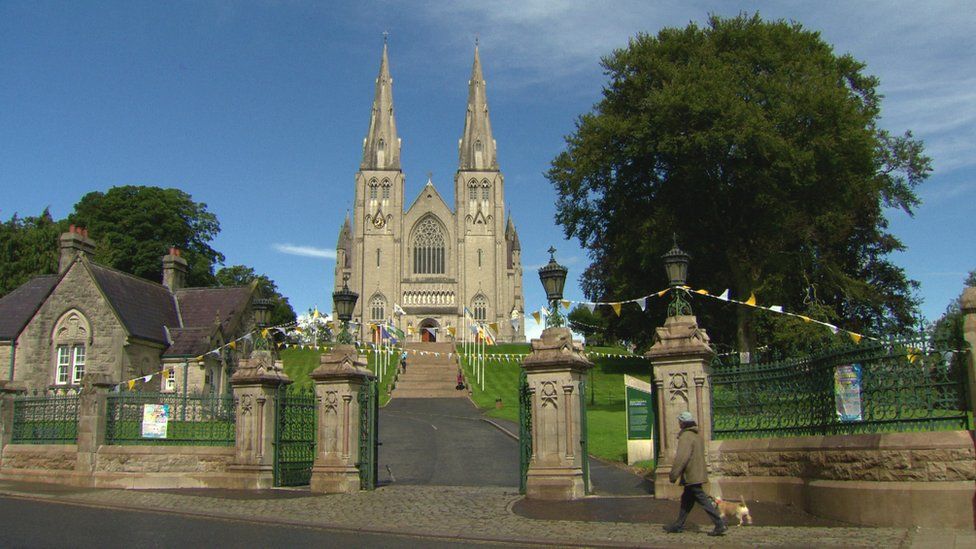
[[429, 375]]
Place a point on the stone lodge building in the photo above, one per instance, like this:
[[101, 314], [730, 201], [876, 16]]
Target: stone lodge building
[[430, 259], [91, 318]]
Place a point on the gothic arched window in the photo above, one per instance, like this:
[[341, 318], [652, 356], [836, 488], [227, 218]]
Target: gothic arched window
[[71, 337], [473, 190], [372, 189], [477, 146], [485, 190], [480, 307], [377, 308], [386, 189], [381, 145], [428, 248]]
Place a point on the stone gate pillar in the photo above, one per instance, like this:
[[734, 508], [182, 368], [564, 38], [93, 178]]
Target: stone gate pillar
[[969, 332], [7, 393], [338, 379], [255, 385], [92, 402], [554, 370], [681, 359]]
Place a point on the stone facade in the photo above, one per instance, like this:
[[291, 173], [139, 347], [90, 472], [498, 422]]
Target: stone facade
[[107, 342], [93, 319], [431, 259]]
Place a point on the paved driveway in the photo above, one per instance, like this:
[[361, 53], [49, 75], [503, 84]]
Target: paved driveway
[[443, 442]]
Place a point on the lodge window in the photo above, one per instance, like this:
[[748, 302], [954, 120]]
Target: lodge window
[[170, 381], [71, 337]]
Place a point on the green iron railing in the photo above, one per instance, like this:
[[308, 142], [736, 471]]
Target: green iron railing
[[368, 431], [45, 419], [191, 420], [905, 386]]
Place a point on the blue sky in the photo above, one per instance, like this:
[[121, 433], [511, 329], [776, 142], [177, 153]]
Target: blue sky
[[259, 109]]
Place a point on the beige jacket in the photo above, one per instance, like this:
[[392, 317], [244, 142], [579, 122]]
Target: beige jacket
[[689, 460]]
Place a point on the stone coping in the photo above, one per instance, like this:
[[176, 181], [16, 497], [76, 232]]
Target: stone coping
[[169, 449], [881, 441]]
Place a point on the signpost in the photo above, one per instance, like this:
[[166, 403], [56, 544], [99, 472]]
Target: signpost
[[640, 420]]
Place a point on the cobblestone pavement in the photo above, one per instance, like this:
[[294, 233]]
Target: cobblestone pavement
[[470, 513]]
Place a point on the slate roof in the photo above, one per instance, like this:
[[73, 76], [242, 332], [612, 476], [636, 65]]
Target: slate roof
[[19, 306], [189, 341], [199, 307], [146, 309], [143, 306]]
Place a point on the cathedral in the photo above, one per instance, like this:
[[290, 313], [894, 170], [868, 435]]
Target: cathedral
[[431, 268]]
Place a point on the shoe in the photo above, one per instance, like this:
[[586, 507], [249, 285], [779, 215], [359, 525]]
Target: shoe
[[719, 530], [673, 529]]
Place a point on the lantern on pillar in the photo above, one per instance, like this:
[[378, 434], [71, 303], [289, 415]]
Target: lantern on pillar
[[553, 278], [262, 311], [676, 266], [344, 301]]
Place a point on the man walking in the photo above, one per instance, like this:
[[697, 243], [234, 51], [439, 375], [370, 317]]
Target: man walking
[[689, 466]]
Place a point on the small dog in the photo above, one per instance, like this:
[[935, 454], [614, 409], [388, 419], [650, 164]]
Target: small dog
[[738, 509]]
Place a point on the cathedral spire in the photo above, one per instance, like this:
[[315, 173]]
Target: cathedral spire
[[381, 148], [477, 145]]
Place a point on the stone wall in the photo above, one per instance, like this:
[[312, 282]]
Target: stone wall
[[164, 459], [45, 457], [891, 479], [5, 351]]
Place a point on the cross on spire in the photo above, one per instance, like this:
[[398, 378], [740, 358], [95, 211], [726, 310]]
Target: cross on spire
[[386, 35]]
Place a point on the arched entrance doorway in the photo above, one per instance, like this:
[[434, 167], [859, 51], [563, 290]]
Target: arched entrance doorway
[[428, 330]]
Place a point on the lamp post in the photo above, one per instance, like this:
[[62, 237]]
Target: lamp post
[[344, 302], [553, 277], [676, 266]]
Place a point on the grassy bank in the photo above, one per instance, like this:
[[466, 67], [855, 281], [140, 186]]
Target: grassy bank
[[299, 363], [606, 415]]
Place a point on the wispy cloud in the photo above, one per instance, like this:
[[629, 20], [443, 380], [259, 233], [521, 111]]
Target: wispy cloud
[[305, 251]]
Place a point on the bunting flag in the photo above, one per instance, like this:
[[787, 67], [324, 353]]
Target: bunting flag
[[493, 326], [590, 306], [451, 330], [565, 304], [232, 344], [398, 310], [724, 296], [264, 333], [131, 383], [752, 300], [616, 307], [537, 316], [642, 303], [856, 338], [315, 314]]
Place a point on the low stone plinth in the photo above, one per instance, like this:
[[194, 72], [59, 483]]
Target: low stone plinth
[[888, 479]]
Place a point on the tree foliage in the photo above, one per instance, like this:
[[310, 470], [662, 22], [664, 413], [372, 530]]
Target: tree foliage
[[591, 324], [239, 275], [949, 327], [761, 148], [134, 227], [28, 247]]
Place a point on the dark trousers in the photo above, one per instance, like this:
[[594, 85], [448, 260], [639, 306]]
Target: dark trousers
[[694, 493]]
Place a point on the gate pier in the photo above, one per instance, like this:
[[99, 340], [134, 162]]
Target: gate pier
[[558, 467], [339, 381], [256, 383]]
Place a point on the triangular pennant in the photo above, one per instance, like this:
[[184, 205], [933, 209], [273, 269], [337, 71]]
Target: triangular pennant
[[616, 308], [642, 303], [856, 338], [565, 304], [751, 301], [590, 306], [724, 296], [701, 292], [776, 308], [232, 344], [146, 379], [537, 316], [132, 383]]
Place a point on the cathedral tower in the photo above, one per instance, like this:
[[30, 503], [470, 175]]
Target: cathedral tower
[[432, 262]]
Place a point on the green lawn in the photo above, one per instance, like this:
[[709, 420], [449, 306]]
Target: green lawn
[[300, 362], [606, 417]]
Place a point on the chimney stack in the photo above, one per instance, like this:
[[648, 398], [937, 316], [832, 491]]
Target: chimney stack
[[73, 243], [174, 270]]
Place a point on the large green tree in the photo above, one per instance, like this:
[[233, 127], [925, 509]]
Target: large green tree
[[762, 149], [238, 275], [134, 226], [28, 247]]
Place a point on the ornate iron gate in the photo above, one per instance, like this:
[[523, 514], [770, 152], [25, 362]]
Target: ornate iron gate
[[584, 448], [525, 430], [294, 442], [368, 432]]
